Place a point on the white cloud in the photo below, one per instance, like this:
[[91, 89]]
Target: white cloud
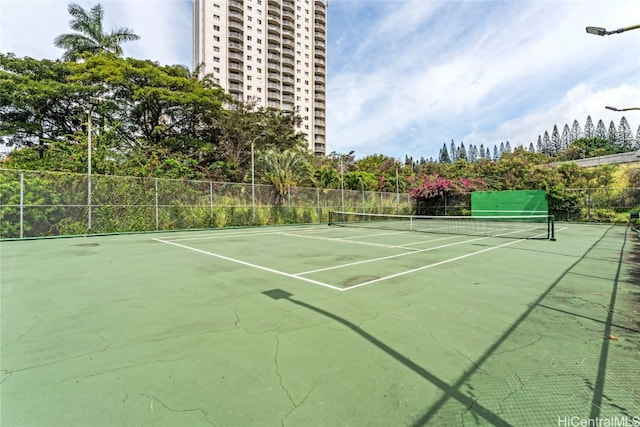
[[479, 72]]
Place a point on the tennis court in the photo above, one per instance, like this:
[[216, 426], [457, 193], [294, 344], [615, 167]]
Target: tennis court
[[316, 325]]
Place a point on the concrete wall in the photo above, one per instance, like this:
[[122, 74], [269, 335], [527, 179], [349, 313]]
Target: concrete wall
[[630, 157]]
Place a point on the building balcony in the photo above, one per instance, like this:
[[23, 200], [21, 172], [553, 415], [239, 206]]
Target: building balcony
[[238, 16], [274, 76], [288, 5], [288, 70], [273, 66], [288, 24], [274, 30], [273, 47], [235, 46], [236, 5], [288, 89], [287, 51], [235, 26], [288, 14], [235, 36], [288, 43], [274, 9], [235, 77]]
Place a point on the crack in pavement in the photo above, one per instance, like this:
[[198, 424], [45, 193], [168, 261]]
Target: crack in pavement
[[202, 411], [19, 338], [282, 386], [529, 344]]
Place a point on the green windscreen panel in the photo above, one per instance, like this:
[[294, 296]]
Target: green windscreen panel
[[509, 203]]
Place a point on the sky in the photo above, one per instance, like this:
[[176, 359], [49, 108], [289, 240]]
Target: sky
[[406, 77]]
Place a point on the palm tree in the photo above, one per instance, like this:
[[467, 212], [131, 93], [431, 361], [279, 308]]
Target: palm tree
[[283, 170], [90, 36]]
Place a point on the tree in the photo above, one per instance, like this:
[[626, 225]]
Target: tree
[[462, 152], [546, 144], [576, 132], [613, 134], [283, 170], [565, 139], [444, 155], [556, 142], [589, 129], [89, 36], [601, 130], [625, 135]]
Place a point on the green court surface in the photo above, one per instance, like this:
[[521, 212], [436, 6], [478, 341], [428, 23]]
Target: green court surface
[[321, 326]]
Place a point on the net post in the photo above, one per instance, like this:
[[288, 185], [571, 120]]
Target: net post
[[551, 225], [330, 217]]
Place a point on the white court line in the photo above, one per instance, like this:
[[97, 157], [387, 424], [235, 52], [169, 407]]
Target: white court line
[[248, 264], [413, 251], [225, 234], [374, 235], [424, 267], [342, 240]]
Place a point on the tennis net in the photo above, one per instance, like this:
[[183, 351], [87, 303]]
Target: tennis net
[[516, 227]]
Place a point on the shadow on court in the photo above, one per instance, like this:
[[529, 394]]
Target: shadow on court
[[472, 404]]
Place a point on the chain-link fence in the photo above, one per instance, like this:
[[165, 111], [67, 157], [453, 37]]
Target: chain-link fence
[[34, 204]]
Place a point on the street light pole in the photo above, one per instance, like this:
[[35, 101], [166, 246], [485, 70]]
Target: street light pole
[[253, 179], [599, 31], [621, 109], [253, 185], [342, 156], [89, 167]]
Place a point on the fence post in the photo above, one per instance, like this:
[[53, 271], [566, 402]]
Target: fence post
[[157, 213], [89, 202], [210, 204], [21, 204], [318, 204]]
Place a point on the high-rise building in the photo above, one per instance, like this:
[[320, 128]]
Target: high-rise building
[[271, 52]]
